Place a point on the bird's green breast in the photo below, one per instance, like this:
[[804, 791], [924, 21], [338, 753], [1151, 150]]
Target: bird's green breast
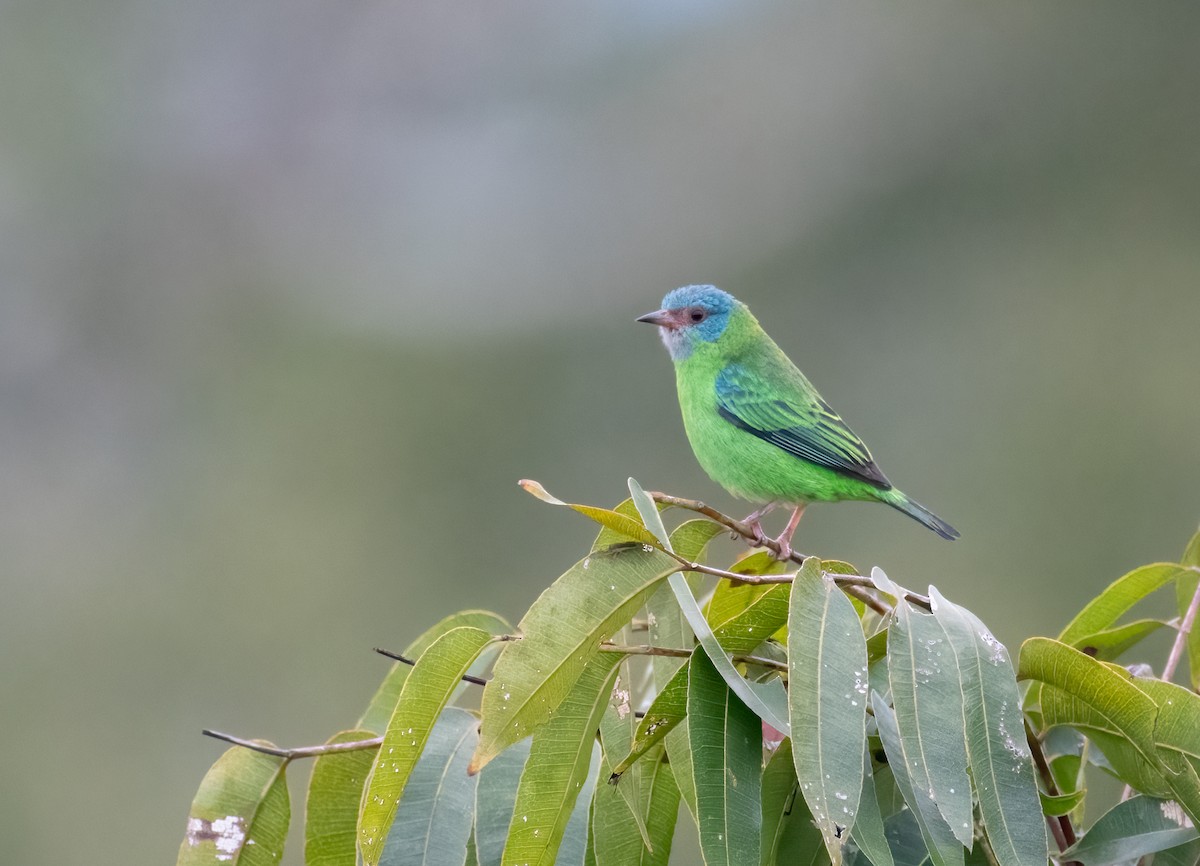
[[739, 461]]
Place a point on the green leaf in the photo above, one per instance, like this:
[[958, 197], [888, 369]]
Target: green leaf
[[726, 742], [331, 812], [679, 753], [1001, 764], [622, 524], [1148, 740], [615, 833], [241, 812], [495, 797], [1132, 829], [425, 693], [1111, 643], [378, 712], [660, 804], [665, 713], [432, 826], [767, 700], [1105, 609], [558, 769], [868, 833], [827, 691], [928, 697], [623, 811], [1061, 804], [780, 798], [562, 632], [939, 840], [667, 625]]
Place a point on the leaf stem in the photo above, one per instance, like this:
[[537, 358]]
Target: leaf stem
[[302, 752], [1181, 637]]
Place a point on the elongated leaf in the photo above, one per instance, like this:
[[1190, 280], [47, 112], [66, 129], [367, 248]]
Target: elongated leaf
[[729, 599], [763, 614], [622, 524], [928, 696], [943, 848], [422, 698], [1106, 608], [827, 691], [767, 700], [665, 713], [379, 710], [660, 804], [1111, 643], [667, 625], [615, 833], [331, 812], [1101, 699], [240, 814], [616, 735], [1132, 829], [1001, 763], [558, 768], [432, 826], [679, 753], [576, 842], [562, 632], [726, 741], [780, 800], [869, 835], [495, 798]]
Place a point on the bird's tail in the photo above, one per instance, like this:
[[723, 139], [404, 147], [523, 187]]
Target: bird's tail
[[921, 514]]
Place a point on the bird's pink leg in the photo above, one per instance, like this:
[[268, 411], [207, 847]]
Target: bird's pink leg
[[754, 519], [785, 538]]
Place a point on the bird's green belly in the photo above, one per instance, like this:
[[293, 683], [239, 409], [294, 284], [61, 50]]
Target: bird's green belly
[[756, 470]]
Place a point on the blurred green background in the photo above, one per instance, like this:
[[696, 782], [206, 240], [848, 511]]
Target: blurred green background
[[293, 293]]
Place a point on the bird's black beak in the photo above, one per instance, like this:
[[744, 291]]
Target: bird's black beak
[[662, 318]]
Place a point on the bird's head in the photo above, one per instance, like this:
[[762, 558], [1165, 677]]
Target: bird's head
[[691, 316]]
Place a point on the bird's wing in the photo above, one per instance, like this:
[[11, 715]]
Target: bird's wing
[[800, 423]]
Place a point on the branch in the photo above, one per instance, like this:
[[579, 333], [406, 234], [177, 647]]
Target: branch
[[674, 652], [856, 585], [302, 752], [1060, 827], [1181, 638], [466, 678]]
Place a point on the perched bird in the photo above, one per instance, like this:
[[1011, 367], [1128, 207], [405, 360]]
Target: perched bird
[[756, 424]]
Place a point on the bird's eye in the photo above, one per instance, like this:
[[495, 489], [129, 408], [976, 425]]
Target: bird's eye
[[697, 315]]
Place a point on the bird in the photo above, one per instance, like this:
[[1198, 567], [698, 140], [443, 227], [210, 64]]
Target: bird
[[757, 425]]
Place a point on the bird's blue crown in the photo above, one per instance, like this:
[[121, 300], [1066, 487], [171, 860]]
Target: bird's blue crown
[[717, 305]]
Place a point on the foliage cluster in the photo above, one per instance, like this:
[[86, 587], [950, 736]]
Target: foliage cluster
[[816, 716]]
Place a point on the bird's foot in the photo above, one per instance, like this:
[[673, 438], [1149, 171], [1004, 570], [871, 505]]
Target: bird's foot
[[754, 522], [784, 541]]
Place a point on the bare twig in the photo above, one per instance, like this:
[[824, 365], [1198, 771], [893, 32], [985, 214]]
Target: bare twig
[[679, 652], [1060, 827], [466, 678], [1181, 637], [302, 752], [845, 581]]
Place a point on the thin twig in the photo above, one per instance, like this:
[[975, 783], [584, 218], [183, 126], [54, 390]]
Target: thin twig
[[302, 752], [466, 678], [743, 529], [1060, 827], [1181, 638], [678, 652]]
